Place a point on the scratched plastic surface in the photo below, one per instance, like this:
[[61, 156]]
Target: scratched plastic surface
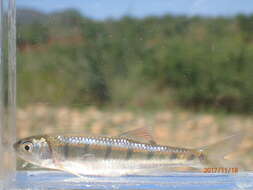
[[43, 180]]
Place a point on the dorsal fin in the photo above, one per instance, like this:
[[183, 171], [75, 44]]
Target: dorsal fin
[[142, 134]]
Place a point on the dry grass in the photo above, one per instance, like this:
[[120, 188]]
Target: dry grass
[[183, 129]]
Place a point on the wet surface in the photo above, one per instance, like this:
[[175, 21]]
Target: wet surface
[[43, 180]]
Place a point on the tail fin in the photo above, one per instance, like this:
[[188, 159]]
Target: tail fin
[[213, 155]]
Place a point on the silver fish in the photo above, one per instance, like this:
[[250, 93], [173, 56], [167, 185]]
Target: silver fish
[[116, 156]]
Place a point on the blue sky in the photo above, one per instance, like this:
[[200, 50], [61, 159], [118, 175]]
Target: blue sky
[[102, 9]]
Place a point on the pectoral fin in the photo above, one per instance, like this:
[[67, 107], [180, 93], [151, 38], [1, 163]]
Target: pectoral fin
[[25, 164]]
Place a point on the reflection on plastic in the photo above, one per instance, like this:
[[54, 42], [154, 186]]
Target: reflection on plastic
[[175, 180]]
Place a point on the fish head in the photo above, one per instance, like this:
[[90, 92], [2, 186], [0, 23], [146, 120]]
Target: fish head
[[34, 149]]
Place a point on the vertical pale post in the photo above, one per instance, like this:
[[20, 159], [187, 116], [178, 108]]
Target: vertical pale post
[[1, 95], [7, 92], [11, 31]]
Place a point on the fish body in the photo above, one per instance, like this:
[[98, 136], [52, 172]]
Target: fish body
[[111, 156]]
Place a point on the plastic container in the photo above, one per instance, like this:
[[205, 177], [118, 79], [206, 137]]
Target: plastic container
[[48, 115], [7, 92]]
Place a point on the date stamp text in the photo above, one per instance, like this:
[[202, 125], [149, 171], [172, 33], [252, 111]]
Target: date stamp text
[[220, 170]]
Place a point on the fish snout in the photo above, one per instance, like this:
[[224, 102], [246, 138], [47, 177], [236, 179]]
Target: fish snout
[[16, 145]]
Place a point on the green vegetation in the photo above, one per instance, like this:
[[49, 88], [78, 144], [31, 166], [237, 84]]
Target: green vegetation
[[67, 59]]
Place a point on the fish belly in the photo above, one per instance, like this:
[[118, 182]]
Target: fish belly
[[122, 167]]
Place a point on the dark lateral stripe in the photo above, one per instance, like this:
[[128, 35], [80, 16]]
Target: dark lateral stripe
[[108, 151], [86, 148], [201, 157], [150, 155], [173, 156], [162, 156], [191, 157], [129, 153], [66, 150]]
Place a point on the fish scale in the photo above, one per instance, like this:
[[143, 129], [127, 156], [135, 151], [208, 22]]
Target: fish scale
[[112, 141], [126, 154], [110, 147]]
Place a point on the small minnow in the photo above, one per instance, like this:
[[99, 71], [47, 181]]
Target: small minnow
[[116, 156]]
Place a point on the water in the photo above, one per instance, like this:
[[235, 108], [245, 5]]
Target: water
[[39, 180]]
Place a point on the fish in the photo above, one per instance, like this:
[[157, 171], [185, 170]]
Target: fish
[[131, 153]]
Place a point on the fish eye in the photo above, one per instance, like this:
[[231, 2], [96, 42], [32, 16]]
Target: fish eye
[[27, 146]]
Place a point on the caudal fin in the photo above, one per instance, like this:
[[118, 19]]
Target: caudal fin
[[213, 155]]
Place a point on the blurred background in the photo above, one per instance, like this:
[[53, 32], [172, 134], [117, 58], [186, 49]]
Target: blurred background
[[106, 66]]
